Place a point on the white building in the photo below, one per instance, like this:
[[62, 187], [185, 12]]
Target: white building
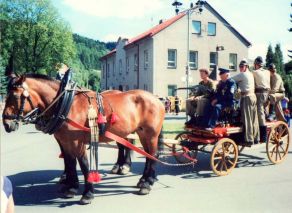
[[156, 59]]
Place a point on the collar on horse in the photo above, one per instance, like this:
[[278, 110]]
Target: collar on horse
[[62, 104]]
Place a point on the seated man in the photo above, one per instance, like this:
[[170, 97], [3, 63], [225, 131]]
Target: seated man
[[196, 104], [277, 92], [224, 97]]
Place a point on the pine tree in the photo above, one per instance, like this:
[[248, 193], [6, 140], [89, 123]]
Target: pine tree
[[270, 55], [278, 59]]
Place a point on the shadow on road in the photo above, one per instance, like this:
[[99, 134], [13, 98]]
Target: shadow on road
[[41, 188]]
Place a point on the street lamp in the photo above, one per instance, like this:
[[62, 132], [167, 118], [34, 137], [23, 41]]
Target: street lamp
[[199, 5]]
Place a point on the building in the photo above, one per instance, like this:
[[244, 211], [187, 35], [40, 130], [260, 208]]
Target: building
[[156, 59]]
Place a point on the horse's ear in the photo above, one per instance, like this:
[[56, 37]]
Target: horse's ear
[[9, 72], [22, 79]]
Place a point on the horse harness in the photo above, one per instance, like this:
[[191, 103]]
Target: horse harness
[[61, 106], [23, 97]]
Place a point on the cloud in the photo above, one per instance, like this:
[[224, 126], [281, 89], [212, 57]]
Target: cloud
[[118, 8]]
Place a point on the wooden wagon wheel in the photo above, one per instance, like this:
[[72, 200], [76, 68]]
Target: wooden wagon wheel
[[224, 156], [179, 152], [278, 142]]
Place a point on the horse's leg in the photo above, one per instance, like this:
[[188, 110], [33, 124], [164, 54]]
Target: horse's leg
[[126, 164], [120, 160], [72, 183], [149, 176], [88, 193], [62, 179]]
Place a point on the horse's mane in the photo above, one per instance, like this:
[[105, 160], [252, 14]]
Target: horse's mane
[[39, 76]]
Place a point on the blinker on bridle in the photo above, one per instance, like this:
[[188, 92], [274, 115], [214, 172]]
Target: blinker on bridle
[[23, 97]]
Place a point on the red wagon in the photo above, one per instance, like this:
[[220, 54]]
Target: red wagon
[[226, 148]]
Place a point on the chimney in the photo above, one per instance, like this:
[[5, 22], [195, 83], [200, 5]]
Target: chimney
[[160, 21]]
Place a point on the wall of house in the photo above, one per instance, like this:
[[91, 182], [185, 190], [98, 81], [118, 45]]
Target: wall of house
[[175, 37]]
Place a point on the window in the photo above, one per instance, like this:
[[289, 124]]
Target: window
[[120, 66], [196, 27], [114, 67], [211, 29], [136, 62], [171, 63], [127, 87], [107, 70], [213, 60], [145, 59], [127, 65], [193, 63], [232, 61], [171, 90]]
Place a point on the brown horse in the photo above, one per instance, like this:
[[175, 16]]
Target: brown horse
[[138, 111]]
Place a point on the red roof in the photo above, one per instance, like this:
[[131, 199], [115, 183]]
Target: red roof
[[156, 29], [150, 32]]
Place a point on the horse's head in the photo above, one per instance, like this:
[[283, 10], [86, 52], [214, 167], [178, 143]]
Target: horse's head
[[16, 105]]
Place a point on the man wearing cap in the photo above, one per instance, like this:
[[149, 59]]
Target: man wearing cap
[[262, 88], [195, 105], [224, 97], [277, 92], [248, 103]]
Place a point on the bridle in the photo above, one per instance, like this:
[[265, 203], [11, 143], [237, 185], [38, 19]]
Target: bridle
[[25, 96]]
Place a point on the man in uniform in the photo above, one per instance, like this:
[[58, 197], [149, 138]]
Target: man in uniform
[[224, 97], [248, 104], [262, 88], [195, 105], [277, 92]]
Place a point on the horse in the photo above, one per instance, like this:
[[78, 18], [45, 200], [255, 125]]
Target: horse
[[137, 110]]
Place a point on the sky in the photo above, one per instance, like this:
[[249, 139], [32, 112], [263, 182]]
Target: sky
[[262, 22]]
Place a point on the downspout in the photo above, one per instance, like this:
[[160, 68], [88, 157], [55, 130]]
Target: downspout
[[106, 73], [138, 70]]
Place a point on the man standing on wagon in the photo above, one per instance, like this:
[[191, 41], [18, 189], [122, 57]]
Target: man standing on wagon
[[262, 88], [248, 104], [277, 92]]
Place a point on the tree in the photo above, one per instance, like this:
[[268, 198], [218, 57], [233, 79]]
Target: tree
[[278, 59], [33, 32], [269, 56]]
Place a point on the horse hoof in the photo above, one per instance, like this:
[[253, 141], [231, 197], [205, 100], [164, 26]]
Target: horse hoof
[[70, 193], [85, 200], [144, 191], [141, 183], [115, 169], [124, 170]]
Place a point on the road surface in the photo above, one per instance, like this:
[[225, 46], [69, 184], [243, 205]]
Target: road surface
[[30, 159]]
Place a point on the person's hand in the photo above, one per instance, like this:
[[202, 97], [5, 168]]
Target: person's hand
[[196, 98], [213, 103]]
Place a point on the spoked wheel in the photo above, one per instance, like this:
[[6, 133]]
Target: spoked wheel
[[181, 153], [278, 142], [224, 156]]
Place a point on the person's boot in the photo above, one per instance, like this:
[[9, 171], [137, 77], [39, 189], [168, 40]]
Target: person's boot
[[263, 134]]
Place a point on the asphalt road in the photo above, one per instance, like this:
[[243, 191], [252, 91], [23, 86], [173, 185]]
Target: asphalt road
[[30, 159]]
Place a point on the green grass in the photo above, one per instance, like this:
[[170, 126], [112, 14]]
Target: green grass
[[170, 130]]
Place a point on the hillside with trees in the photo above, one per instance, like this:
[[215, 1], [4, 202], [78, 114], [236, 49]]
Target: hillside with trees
[[40, 41]]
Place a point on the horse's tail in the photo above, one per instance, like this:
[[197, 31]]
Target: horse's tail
[[160, 140]]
